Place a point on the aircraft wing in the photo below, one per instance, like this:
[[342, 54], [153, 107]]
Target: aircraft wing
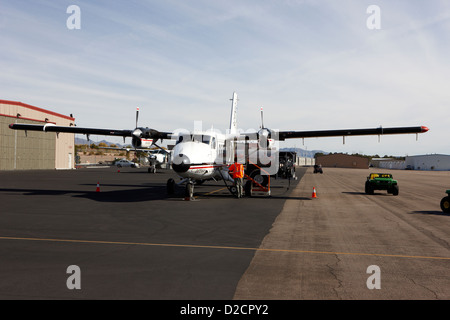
[[49, 127], [80, 130], [143, 150], [282, 135]]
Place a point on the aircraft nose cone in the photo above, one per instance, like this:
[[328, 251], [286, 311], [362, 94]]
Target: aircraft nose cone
[[181, 163]]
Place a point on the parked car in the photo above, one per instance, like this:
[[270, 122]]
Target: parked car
[[126, 163]]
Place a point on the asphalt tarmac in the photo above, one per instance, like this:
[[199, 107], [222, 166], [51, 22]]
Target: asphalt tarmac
[[347, 245], [130, 240]]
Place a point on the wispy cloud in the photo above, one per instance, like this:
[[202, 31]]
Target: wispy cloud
[[311, 64]]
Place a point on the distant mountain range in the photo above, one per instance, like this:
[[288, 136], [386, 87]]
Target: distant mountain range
[[84, 141], [304, 153]]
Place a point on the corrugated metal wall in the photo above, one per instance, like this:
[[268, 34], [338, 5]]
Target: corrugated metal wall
[[438, 162], [20, 152]]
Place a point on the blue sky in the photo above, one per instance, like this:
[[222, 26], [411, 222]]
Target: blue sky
[[310, 64]]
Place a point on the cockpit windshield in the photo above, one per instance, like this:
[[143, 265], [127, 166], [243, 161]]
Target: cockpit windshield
[[203, 138]]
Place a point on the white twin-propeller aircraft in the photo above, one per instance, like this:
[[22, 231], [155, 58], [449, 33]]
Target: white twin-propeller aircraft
[[204, 155]]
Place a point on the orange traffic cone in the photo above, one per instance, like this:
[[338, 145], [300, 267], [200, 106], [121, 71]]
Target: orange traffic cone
[[314, 195], [98, 188]]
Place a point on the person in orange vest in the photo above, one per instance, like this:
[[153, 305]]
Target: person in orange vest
[[237, 172]]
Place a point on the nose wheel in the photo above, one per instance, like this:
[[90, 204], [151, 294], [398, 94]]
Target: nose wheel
[[170, 186], [188, 191]]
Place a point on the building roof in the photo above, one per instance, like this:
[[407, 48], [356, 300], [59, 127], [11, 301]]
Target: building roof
[[430, 155], [21, 104]]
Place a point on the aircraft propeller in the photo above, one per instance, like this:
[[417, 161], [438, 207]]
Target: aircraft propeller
[[262, 118], [264, 134], [137, 116]]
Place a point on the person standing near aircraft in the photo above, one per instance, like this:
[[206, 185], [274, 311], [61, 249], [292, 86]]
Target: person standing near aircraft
[[237, 172]]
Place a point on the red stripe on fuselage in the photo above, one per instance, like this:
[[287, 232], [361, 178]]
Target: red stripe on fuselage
[[206, 166]]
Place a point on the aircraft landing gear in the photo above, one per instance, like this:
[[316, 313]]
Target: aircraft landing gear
[[189, 194], [189, 189], [170, 186]]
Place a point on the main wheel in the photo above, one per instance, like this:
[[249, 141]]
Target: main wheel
[[248, 188], [190, 190], [445, 204], [170, 186]]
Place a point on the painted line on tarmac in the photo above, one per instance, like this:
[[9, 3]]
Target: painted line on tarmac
[[222, 247], [214, 191]]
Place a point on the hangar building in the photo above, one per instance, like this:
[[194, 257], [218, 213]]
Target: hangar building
[[20, 150], [438, 162], [340, 160], [432, 162]]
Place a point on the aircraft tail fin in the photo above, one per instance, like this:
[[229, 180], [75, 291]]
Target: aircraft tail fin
[[233, 122]]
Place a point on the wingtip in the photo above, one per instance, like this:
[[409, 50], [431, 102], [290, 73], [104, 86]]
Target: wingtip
[[425, 129]]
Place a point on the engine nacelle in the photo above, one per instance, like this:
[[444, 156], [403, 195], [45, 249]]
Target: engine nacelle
[[141, 142], [265, 140]]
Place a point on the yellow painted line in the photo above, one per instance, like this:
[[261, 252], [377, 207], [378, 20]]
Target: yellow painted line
[[222, 247], [215, 191]]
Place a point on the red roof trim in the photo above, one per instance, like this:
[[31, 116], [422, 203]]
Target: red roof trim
[[23, 118], [21, 104]]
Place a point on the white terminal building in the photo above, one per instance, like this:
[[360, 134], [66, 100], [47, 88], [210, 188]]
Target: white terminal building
[[31, 150], [432, 162], [438, 162]]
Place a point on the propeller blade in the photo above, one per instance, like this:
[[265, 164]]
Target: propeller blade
[[262, 118], [137, 116]]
